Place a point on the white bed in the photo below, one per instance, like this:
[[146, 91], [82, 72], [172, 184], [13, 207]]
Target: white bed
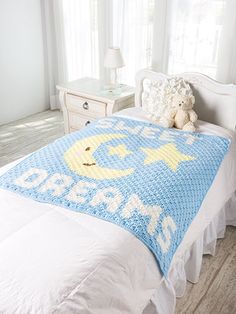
[[50, 263]]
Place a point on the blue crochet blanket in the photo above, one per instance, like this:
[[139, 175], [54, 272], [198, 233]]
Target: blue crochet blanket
[[147, 179]]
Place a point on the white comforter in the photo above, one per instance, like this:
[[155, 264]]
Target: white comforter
[[53, 260]]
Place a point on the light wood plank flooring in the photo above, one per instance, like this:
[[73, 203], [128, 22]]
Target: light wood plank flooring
[[216, 290], [24, 136]]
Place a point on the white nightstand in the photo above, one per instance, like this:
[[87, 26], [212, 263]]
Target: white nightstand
[[83, 101]]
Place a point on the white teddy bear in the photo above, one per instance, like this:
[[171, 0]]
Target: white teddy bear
[[180, 114], [183, 116]]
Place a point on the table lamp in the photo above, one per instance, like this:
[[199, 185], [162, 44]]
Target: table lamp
[[113, 60]]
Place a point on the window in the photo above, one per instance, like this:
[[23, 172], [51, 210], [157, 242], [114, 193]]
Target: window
[[172, 36], [194, 35]]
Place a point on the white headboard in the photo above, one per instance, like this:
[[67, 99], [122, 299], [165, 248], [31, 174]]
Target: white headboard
[[215, 102]]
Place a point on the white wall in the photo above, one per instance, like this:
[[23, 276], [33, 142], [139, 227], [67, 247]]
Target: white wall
[[22, 69]]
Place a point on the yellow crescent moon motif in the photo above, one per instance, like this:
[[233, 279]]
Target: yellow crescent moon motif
[[79, 158]]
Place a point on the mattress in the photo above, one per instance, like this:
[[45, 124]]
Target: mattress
[[52, 262]]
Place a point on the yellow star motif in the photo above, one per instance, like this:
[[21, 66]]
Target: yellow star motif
[[119, 150], [167, 153]]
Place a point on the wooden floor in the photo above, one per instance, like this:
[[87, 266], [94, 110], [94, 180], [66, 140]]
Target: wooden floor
[[24, 136], [216, 290]]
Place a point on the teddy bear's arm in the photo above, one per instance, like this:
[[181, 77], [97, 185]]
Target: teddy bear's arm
[[192, 116], [173, 112]]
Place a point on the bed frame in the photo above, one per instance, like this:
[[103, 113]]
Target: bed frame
[[215, 102]]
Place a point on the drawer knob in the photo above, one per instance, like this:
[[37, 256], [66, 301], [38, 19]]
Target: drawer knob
[[87, 122], [85, 105]]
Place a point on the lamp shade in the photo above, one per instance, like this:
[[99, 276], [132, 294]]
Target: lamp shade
[[113, 58]]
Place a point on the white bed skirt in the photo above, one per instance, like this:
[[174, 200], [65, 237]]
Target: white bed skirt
[[188, 267]]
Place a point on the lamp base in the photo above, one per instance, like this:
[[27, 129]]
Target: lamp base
[[113, 88]]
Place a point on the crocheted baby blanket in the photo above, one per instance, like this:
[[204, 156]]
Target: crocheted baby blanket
[[147, 179]]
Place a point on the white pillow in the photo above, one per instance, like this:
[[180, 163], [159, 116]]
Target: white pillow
[[157, 96]]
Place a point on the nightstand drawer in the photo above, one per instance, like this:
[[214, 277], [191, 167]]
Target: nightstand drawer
[[85, 106], [77, 121]]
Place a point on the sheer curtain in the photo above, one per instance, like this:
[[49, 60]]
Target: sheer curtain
[[85, 29], [133, 26], [195, 32], [226, 65], [202, 38], [55, 46], [80, 23], [171, 36], [91, 26]]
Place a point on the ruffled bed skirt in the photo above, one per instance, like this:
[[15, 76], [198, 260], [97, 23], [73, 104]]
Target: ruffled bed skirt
[[188, 267]]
